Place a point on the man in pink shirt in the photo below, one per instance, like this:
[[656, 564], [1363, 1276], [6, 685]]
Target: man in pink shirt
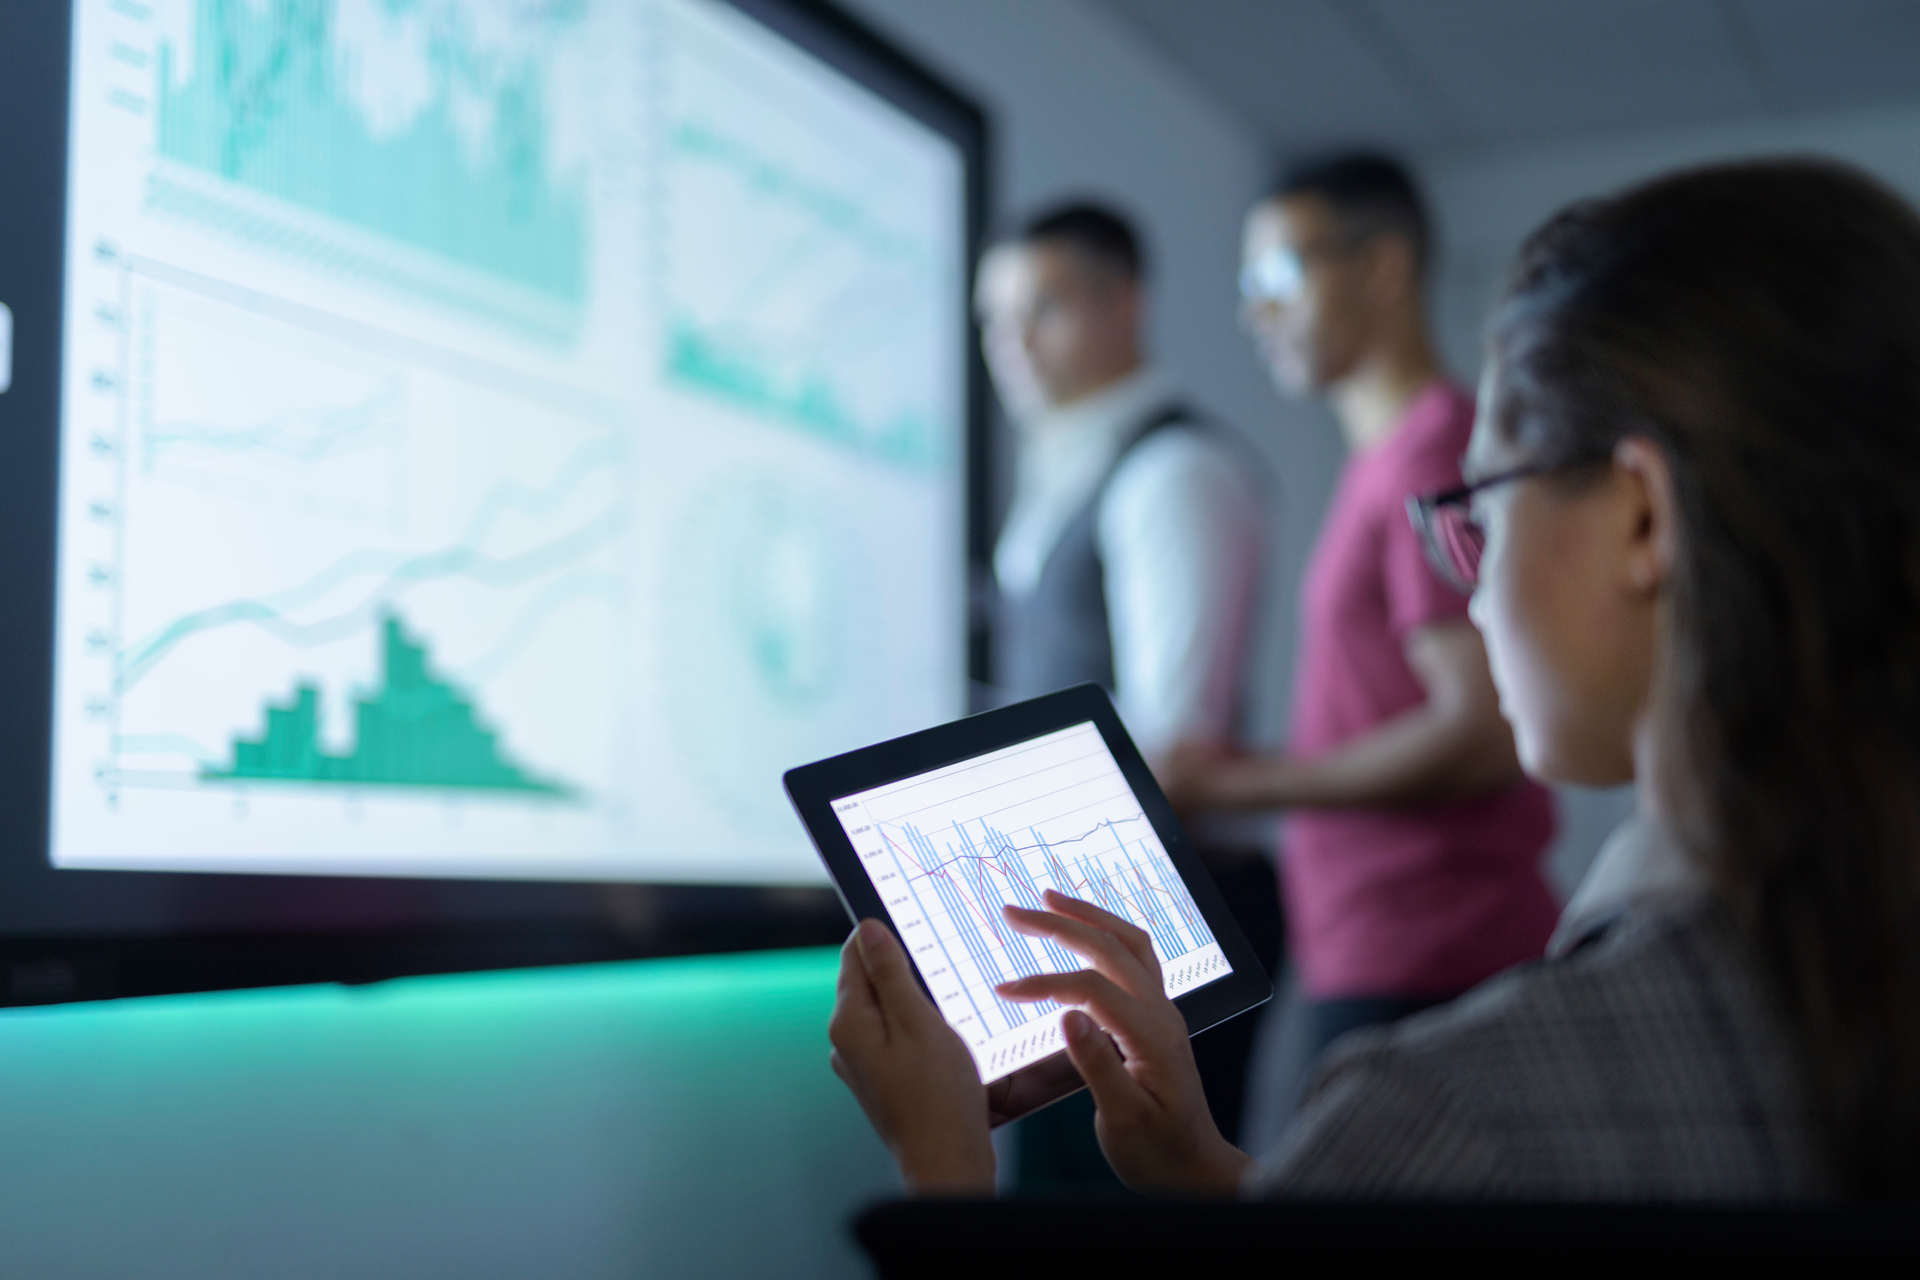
[[1411, 853]]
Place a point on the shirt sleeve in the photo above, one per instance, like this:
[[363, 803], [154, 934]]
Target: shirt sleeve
[[1180, 533], [1416, 597]]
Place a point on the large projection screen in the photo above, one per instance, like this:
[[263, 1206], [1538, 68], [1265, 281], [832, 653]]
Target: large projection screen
[[497, 438]]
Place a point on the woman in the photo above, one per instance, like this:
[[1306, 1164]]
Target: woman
[[1696, 479]]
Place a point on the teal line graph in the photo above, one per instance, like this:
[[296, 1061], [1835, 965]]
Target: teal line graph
[[767, 178], [171, 744], [792, 299], [397, 571], [266, 106], [735, 370], [303, 435], [463, 562], [582, 584]]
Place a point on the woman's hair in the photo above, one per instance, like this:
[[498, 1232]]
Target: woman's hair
[[1760, 324]]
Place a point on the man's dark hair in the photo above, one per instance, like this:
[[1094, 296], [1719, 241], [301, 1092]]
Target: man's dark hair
[[1369, 194], [1101, 236]]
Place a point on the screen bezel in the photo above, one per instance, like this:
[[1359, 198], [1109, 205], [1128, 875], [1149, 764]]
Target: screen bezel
[[88, 934], [814, 788]]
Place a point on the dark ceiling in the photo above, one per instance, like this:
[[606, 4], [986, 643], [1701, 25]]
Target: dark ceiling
[[1451, 75]]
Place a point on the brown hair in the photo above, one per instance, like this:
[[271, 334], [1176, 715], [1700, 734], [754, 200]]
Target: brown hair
[[1760, 324]]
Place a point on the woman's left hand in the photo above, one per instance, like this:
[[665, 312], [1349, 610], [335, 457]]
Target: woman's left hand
[[913, 1075]]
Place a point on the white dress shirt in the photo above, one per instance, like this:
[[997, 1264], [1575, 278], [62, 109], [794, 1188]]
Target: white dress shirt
[[1180, 533]]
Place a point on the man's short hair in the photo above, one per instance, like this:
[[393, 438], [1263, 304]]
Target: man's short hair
[[1101, 236], [1369, 194]]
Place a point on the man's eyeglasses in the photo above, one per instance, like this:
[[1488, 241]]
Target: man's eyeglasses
[[1275, 276], [1279, 275], [1449, 535]]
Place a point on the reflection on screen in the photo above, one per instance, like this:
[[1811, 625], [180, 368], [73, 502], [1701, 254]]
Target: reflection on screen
[[948, 849], [499, 438]]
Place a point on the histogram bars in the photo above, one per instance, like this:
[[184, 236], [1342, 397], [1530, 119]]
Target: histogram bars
[[949, 850], [414, 731]]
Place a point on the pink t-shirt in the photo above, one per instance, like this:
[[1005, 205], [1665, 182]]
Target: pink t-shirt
[[1418, 901]]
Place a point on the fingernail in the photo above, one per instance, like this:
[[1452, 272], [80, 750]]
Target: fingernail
[[871, 932], [1076, 1024]]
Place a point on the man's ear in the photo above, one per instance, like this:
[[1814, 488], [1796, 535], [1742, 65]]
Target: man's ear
[[1653, 512], [1129, 300], [1392, 273]]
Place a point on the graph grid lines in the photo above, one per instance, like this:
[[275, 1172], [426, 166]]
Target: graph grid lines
[[949, 850]]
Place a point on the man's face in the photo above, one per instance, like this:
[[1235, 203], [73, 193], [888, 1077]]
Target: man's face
[[1303, 293], [1054, 328]]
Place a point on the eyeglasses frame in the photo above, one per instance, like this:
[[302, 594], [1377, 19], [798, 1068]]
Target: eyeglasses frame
[[1423, 508]]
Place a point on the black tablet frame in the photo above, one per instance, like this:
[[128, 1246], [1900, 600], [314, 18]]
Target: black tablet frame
[[85, 934], [813, 788]]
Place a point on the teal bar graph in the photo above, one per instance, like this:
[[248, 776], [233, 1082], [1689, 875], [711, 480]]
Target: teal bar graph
[[792, 293], [266, 104], [414, 731]]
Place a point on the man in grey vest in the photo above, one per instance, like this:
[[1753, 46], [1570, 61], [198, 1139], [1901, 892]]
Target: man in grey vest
[[1130, 557]]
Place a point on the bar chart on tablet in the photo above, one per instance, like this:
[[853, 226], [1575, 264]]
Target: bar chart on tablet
[[948, 849]]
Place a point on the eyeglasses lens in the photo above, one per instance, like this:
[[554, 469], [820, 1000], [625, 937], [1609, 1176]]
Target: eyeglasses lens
[[1461, 540], [1274, 276]]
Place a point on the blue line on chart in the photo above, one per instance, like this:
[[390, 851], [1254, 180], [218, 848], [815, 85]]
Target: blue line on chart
[[1137, 901], [404, 569]]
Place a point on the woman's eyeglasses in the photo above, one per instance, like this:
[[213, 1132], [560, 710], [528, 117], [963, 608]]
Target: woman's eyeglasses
[[1449, 535]]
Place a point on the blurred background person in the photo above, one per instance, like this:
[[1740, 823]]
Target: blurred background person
[[1411, 856], [1130, 558]]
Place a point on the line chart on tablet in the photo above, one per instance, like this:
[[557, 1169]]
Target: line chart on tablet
[[950, 848]]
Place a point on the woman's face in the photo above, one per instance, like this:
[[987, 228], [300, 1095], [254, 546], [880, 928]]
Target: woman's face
[[1567, 602]]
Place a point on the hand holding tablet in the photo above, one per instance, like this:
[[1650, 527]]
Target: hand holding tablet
[[1027, 864], [914, 1078]]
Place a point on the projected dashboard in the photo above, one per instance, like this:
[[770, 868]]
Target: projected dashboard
[[497, 438]]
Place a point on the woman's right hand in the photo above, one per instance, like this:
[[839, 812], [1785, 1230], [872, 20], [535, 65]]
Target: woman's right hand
[[1133, 1051]]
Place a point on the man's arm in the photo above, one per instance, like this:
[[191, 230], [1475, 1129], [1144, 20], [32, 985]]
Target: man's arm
[[1453, 745], [1180, 535]]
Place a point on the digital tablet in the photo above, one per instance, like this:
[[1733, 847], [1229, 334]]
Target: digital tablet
[[935, 832]]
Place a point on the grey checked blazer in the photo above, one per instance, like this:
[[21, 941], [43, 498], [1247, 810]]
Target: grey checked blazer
[[1644, 1064]]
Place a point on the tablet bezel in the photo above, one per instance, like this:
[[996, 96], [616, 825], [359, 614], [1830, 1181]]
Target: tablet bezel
[[813, 788]]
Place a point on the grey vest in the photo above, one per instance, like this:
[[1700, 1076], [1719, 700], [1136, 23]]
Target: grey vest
[[1057, 634]]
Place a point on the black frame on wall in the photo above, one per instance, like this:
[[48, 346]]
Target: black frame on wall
[[82, 935]]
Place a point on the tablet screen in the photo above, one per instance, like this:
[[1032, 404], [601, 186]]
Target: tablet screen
[[947, 848]]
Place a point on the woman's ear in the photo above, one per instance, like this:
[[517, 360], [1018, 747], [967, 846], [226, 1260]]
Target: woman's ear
[[1655, 514]]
